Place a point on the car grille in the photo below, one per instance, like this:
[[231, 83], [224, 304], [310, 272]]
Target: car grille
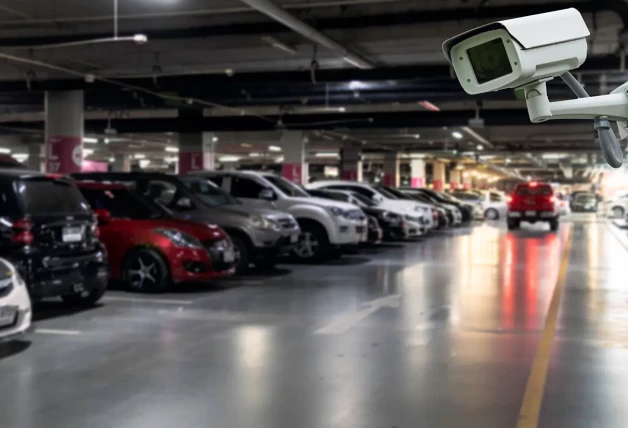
[[215, 250], [287, 223]]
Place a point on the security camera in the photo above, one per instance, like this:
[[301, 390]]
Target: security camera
[[525, 53], [514, 52]]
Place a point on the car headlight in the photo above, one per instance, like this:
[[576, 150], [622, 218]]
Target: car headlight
[[389, 217], [338, 212], [179, 239], [411, 218], [261, 222]]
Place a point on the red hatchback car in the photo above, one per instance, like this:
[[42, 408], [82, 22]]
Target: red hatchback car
[[147, 248]]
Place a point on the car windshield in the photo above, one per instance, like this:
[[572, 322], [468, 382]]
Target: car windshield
[[468, 196], [447, 197], [382, 190], [208, 192], [43, 195], [534, 190], [123, 203], [286, 187], [585, 197], [396, 193], [363, 199]]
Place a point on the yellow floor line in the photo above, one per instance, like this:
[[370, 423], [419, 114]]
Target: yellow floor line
[[531, 407]]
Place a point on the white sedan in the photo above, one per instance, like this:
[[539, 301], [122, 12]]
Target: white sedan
[[15, 305]]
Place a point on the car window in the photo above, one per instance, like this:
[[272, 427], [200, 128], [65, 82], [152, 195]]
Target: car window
[[161, 192], [8, 203], [336, 196], [542, 190], [39, 196], [208, 192], [363, 199], [364, 191], [216, 179], [122, 203], [496, 197], [286, 187], [244, 187]]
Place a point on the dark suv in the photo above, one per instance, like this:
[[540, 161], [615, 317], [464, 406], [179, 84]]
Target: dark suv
[[48, 231]]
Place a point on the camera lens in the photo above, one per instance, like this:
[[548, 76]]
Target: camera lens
[[489, 61]]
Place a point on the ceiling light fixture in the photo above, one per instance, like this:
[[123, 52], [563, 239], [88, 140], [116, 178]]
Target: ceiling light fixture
[[112, 160], [457, 135], [356, 84], [140, 39], [246, 145], [144, 163], [139, 156], [90, 140], [20, 157], [274, 148], [215, 139], [171, 149], [228, 158], [87, 152], [5, 151], [327, 155], [342, 109], [417, 136], [480, 147], [255, 155]]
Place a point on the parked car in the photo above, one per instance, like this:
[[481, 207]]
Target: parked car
[[383, 200], [439, 213], [462, 212], [617, 207], [148, 248], [328, 227], [452, 215], [259, 235], [48, 231], [532, 202], [15, 305], [584, 202], [493, 205]]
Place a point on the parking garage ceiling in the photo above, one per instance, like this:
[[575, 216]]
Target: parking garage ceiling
[[369, 72]]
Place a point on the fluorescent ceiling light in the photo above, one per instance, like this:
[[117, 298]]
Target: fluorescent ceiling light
[[144, 163], [255, 155], [171, 159], [229, 158], [356, 84], [90, 140], [171, 149], [214, 139], [417, 136], [279, 159], [274, 148], [342, 109], [5, 151], [140, 39], [87, 152], [457, 135], [480, 147], [139, 156], [554, 155], [20, 157], [279, 45], [112, 160], [246, 145], [326, 155]]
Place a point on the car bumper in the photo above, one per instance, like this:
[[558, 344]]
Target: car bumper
[[415, 229], [533, 216], [18, 297], [199, 265], [347, 232]]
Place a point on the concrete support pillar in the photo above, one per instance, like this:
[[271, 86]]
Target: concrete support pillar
[[64, 131], [121, 163], [351, 163], [391, 170], [294, 167], [438, 172], [417, 173], [467, 180], [196, 152], [36, 157], [455, 179]]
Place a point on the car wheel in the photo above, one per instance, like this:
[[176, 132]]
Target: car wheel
[[554, 225], [87, 298], [513, 224], [314, 243], [242, 254], [265, 264], [491, 214], [618, 212], [145, 270]]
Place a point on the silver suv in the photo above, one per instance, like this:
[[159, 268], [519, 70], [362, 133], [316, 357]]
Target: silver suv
[[259, 235]]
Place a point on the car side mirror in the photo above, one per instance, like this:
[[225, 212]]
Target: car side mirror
[[184, 204], [267, 195], [102, 215]]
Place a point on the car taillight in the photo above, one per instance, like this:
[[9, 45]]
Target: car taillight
[[552, 198], [509, 199], [22, 231]]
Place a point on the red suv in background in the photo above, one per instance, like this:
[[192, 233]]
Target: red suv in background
[[532, 202], [150, 250]]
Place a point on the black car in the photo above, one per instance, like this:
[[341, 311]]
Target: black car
[[393, 226], [584, 202], [49, 232], [465, 209]]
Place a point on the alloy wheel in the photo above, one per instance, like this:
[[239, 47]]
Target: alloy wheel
[[144, 274], [308, 246]]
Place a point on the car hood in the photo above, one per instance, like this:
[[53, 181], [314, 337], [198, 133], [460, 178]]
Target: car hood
[[404, 205], [325, 203], [200, 231], [247, 210]]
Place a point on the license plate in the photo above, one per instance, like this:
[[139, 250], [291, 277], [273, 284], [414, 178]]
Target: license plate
[[72, 234], [228, 256], [78, 287], [7, 315], [530, 213], [294, 239]]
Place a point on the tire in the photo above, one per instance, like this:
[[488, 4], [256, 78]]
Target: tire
[[314, 245], [242, 254], [266, 264], [491, 214], [513, 224], [146, 271], [554, 225], [618, 212], [88, 299]]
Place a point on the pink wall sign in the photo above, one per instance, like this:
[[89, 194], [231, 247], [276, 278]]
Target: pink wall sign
[[453, 185], [438, 185], [466, 186], [292, 172], [350, 175], [190, 161], [64, 155], [91, 166], [417, 182]]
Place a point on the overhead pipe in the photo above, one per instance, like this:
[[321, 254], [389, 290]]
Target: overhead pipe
[[278, 14]]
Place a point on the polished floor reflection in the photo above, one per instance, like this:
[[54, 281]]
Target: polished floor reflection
[[438, 333]]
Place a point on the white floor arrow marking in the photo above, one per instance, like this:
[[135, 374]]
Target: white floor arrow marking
[[346, 322]]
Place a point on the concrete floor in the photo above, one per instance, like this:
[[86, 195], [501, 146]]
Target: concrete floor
[[447, 340]]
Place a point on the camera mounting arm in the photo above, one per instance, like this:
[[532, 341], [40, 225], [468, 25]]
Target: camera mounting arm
[[602, 109]]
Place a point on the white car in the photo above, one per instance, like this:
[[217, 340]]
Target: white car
[[325, 224], [385, 200], [493, 205], [616, 207], [15, 305]]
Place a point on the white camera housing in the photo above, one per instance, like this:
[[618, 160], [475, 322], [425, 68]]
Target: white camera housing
[[520, 51]]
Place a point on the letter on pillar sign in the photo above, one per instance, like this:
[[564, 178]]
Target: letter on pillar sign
[[389, 180], [417, 182], [64, 154], [190, 161], [350, 175], [293, 172], [438, 185]]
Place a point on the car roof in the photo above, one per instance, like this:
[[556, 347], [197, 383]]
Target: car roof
[[16, 173], [97, 185]]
